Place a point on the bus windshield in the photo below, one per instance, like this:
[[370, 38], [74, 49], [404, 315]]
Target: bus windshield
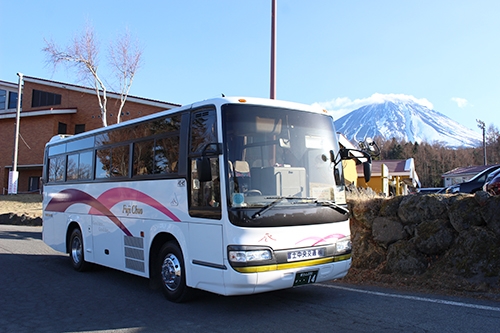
[[279, 157]]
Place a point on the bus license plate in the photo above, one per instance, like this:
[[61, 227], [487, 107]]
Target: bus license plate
[[305, 278], [306, 254]]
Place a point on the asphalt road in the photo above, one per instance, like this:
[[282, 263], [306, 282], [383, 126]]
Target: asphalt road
[[40, 292]]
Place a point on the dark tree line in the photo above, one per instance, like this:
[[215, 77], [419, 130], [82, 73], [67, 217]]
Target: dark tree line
[[434, 159]]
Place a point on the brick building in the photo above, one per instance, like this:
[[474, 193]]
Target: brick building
[[50, 108]]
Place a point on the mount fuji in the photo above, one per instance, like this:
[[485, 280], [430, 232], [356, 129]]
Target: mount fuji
[[405, 119]]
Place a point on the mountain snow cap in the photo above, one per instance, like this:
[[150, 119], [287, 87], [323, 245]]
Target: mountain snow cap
[[399, 99], [403, 117]]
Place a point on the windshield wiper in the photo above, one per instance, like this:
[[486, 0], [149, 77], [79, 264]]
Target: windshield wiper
[[333, 205], [275, 202]]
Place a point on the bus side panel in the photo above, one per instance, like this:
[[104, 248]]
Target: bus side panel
[[54, 231], [206, 261], [108, 242], [178, 230]]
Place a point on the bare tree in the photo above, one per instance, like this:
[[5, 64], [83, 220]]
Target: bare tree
[[125, 58], [83, 55]]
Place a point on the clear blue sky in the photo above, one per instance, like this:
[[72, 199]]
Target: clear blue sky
[[332, 52]]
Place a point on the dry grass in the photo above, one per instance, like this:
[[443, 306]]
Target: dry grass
[[362, 194], [27, 204]]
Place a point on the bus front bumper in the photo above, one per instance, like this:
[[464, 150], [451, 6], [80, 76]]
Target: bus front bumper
[[259, 279]]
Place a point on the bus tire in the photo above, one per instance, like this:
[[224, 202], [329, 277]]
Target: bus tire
[[172, 273], [77, 252]]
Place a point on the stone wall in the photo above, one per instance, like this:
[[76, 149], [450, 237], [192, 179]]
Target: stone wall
[[442, 239], [14, 219]]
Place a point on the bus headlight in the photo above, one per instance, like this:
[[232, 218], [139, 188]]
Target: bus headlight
[[343, 245], [247, 256], [243, 255]]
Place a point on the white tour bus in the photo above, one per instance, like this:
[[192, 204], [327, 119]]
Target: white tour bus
[[230, 195]]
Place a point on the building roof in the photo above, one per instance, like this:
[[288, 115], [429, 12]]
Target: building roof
[[8, 84], [395, 167], [466, 171], [88, 90]]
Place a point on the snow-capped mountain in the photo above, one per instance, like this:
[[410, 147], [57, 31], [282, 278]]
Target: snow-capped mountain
[[405, 119]]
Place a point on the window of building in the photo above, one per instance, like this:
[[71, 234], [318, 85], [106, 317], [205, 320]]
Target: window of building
[[43, 98], [62, 128], [33, 184], [79, 128], [12, 100], [3, 99]]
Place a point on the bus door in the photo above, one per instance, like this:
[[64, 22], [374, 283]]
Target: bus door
[[206, 250]]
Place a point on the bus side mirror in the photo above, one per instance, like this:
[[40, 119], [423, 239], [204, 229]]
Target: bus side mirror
[[367, 171], [204, 169]]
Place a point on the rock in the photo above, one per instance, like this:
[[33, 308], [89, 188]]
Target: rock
[[464, 212], [14, 219], [482, 198], [491, 214], [415, 209], [476, 251], [386, 231], [403, 258], [389, 207], [433, 237], [440, 239]]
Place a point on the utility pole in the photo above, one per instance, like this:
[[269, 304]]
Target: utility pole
[[14, 175], [273, 50], [482, 126]]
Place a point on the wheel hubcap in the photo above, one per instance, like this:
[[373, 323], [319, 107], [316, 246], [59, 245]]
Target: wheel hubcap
[[76, 250], [171, 272]]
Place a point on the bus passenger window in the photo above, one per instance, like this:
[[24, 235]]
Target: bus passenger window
[[143, 158], [72, 169], [166, 155], [102, 163], [56, 169], [85, 165], [120, 158]]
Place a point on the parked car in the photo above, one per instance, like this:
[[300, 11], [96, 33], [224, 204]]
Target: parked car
[[492, 184], [474, 184]]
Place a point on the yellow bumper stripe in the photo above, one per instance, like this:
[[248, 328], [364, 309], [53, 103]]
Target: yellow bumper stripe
[[288, 265]]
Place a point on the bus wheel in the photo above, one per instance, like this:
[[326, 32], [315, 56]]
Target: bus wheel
[[172, 273], [76, 252]]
